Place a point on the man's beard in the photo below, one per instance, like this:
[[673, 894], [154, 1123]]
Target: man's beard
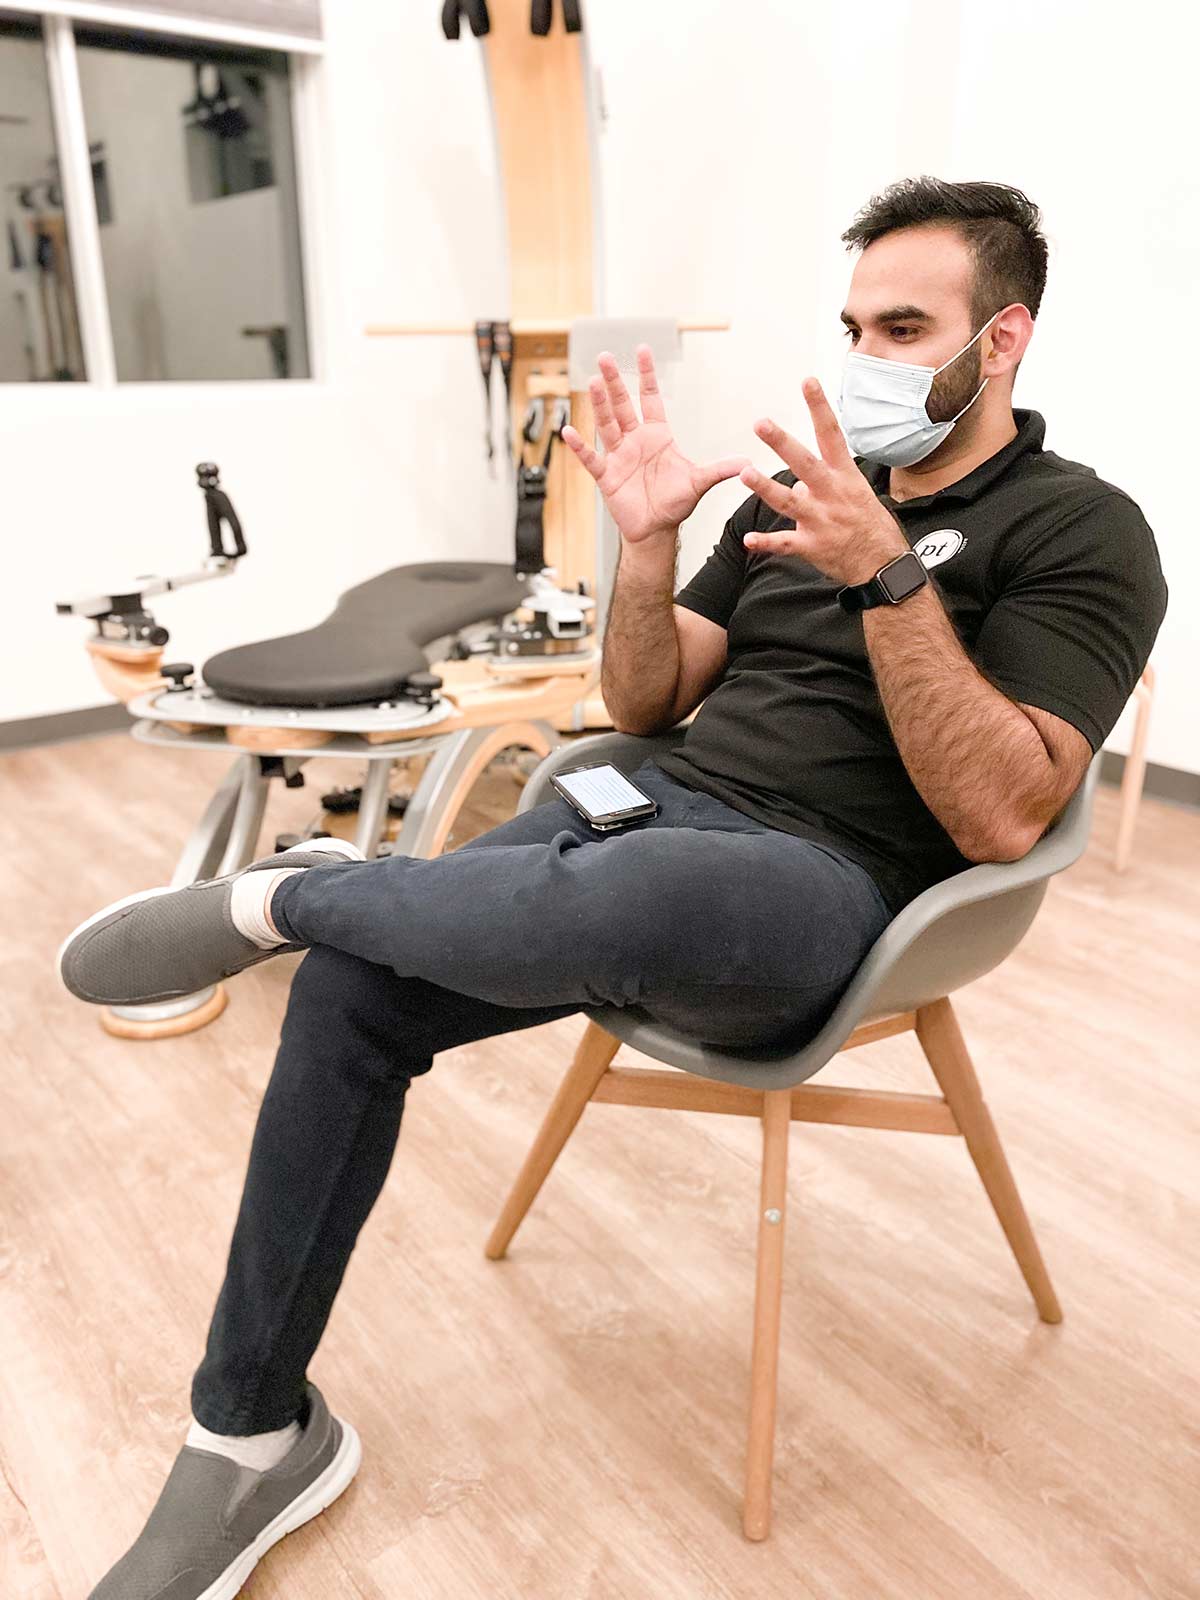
[[955, 388]]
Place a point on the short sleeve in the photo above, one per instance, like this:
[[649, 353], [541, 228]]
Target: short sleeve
[[715, 590], [1077, 616]]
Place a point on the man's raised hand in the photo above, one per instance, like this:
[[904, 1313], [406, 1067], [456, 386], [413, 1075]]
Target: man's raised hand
[[648, 484], [840, 524]]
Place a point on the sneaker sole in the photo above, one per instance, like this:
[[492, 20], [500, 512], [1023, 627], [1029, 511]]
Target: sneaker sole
[[321, 1492]]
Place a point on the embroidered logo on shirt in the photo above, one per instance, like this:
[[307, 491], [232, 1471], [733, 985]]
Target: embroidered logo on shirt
[[937, 547]]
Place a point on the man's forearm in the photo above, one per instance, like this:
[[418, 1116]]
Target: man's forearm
[[640, 668], [959, 737]]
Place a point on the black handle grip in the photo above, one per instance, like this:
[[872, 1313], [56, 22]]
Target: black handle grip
[[219, 509]]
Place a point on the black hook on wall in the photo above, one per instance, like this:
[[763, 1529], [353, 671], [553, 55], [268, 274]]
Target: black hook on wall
[[475, 11], [542, 16]]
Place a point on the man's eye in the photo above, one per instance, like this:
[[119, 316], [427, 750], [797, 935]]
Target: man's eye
[[851, 333], [900, 328]]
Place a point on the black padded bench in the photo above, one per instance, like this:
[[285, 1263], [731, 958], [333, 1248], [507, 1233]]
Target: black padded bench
[[372, 641]]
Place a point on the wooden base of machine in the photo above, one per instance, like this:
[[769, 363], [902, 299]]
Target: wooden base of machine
[[166, 1027], [482, 700], [269, 740], [125, 671]]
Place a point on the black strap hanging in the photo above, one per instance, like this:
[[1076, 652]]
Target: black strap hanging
[[484, 345], [531, 496], [475, 11], [502, 344], [531, 485], [530, 536]]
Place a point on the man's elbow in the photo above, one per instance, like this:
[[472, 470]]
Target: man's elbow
[[1008, 840], [644, 721], [644, 728]]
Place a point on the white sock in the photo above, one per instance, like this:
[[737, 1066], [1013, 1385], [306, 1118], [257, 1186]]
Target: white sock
[[248, 902], [251, 893], [258, 1450]]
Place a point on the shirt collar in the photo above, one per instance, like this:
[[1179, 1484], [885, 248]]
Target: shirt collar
[[1031, 431]]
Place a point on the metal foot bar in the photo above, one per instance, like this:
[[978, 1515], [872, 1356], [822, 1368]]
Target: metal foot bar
[[372, 806]]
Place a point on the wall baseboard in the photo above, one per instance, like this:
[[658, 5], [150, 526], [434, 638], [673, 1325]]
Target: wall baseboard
[[1178, 788], [86, 724], [1164, 783]]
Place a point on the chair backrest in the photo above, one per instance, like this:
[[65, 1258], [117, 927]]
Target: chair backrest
[[947, 937], [964, 926]]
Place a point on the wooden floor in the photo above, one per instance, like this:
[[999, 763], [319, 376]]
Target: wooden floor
[[569, 1424]]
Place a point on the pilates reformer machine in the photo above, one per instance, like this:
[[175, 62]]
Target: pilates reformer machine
[[518, 651]]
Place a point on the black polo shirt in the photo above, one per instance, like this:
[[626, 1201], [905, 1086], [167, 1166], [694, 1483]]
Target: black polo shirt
[[1052, 579]]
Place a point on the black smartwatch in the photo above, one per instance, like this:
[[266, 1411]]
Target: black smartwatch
[[891, 584]]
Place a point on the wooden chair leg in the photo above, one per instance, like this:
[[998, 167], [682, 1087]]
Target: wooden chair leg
[[768, 1295], [596, 1049], [942, 1041], [1134, 777]]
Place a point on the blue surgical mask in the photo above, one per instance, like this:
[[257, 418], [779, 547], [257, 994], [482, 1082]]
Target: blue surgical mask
[[883, 409]]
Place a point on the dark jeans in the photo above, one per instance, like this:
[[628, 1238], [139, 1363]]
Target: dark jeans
[[733, 932]]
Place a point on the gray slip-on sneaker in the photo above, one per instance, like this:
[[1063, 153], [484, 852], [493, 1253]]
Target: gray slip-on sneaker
[[215, 1520], [163, 943]]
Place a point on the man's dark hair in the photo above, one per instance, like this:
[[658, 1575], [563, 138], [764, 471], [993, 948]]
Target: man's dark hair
[[1001, 225]]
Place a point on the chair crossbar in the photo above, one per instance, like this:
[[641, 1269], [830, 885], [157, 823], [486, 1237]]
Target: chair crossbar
[[673, 1090]]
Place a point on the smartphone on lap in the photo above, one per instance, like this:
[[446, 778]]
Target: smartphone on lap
[[603, 796]]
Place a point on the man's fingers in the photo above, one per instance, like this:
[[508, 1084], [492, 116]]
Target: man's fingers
[[653, 409], [591, 459], [618, 394], [785, 543], [804, 464], [607, 429], [785, 501], [831, 441], [715, 472]]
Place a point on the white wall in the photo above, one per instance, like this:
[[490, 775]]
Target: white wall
[[741, 137]]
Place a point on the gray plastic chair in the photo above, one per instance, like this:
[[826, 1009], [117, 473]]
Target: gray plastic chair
[[945, 938]]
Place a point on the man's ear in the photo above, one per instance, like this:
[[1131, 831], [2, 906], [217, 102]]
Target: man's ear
[[1007, 340]]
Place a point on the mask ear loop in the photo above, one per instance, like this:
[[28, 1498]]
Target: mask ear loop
[[963, 352]]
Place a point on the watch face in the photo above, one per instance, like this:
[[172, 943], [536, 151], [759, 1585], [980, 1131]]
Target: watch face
[[902, 577]]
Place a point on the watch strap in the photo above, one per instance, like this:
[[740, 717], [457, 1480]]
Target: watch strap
[[864, 596]]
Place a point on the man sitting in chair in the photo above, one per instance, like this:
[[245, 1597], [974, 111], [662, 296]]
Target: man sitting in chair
[[908, 646]]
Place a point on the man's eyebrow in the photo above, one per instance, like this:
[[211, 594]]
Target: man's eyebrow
[[892, 314]]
